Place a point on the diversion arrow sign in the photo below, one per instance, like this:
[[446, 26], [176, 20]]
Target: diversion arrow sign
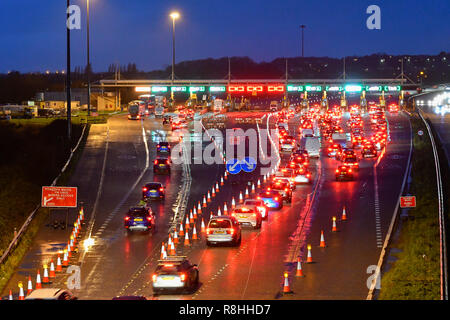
[[59, 197]]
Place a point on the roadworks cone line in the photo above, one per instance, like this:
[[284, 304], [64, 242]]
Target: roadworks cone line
[[286, 287], [334, 228], [322, 240], [309, 257], [344, 215]]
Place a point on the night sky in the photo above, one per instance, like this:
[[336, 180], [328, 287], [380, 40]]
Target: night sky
[[33, 33]]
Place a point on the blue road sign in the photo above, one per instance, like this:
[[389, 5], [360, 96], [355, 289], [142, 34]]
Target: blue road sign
[[234, 166], [248, 164]]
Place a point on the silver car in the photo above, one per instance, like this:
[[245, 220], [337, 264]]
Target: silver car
[[223, 229], [248, 215]]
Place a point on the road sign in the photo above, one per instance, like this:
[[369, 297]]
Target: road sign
[[59, 197], [420, 133], [248, 164], [234, 166], [408, 202]]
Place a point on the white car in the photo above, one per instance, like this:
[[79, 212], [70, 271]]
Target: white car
[[260, 205], [247, 216]]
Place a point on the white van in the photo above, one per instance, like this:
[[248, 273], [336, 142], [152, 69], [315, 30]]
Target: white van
[[306, 133], [312, 145]]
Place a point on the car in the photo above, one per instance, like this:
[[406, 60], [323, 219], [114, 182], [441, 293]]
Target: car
[[351, 162], [286, 173], [334, 151], [51, 294], [161, 165], [303, 175], [312, 146], [307, 133], [223, 229], [272, 199], [163, 147], [287, 144], [283, 188], [176, 273], [140, 219], [247, 215], [369, 151], [299, 160], [346, 153], [260, 206], [179, 124], [153, 190], [344, 173]]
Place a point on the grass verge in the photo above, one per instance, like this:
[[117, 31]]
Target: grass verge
[[415, 275], [36, 153]]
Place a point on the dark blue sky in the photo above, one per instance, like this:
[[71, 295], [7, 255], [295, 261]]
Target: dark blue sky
[[32, 32]]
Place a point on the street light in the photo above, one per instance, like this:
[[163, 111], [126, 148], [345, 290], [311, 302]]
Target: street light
[[302, 27], [174, 15], [88, 68]]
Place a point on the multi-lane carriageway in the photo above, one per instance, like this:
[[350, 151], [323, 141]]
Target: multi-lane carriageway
[[116, 162]]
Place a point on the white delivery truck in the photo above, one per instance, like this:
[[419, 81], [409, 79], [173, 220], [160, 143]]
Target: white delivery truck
[[312, 146], [306, 133], [342, 138]]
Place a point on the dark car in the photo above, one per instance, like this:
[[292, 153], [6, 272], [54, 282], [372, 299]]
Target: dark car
[[284, 188], [272, 199], [153, 190], [175, 273], [161, 165], [140, 219], [369, 151], [344, 173], [163, 147]]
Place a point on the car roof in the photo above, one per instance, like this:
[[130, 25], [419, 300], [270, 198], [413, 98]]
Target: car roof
[[45, 293], [150, 183]]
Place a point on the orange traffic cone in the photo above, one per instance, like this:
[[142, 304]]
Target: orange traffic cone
[[164, 254], [241, 199], [38, 281], [253, 188], [195, 213], [225, 175], [162, 251], [30, 286], [225, 209], [265, 179], [221, 181], [186, 225], [175, 237], [21, 293], [186, 239], [199, 208], [45, 279], [309, 257], [52, 270], [246, 193], [172, 249], [286, 288], [191, 217], [204, 202], [194, 234], [58, 264], [219, 213], [322, 240], [334, 228], [259, 183], [233, 203], [203, 228], [213, 192], [208, 197], [344, 215], [181, 230], [65, 259], [69, 252], [10, 295], [299, 272]]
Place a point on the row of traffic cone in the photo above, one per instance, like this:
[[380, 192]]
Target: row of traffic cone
[[299, 270]]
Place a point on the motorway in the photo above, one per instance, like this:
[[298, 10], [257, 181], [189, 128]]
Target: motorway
[[117, 161]]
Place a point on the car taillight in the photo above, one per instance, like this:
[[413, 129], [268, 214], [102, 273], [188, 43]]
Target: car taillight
[[127, 218], [337, 170], [183, 277], [230, 231], [167, 161], [258, 197], [308, 175], [144, 189], [154, 276], [286, 189], [149, 218], [276, 199], [233, 214], [254, 215], [155, 162], [161, 189], [349, 170], [158, 146]]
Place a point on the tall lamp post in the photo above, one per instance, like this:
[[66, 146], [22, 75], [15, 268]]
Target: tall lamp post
[[302, 27], [68, 84], [88, 67], [174, 16]]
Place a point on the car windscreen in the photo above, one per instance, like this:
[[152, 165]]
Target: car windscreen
[[164, 144], [217, 223], [351, 159], [244, 210], [152, 186], [168, 268], [137, 213]]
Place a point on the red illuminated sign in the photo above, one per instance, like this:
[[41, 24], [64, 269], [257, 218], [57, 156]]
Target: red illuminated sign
[[277, 88], [256, 88], [408, 202], [236, 88], [59, 197]]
